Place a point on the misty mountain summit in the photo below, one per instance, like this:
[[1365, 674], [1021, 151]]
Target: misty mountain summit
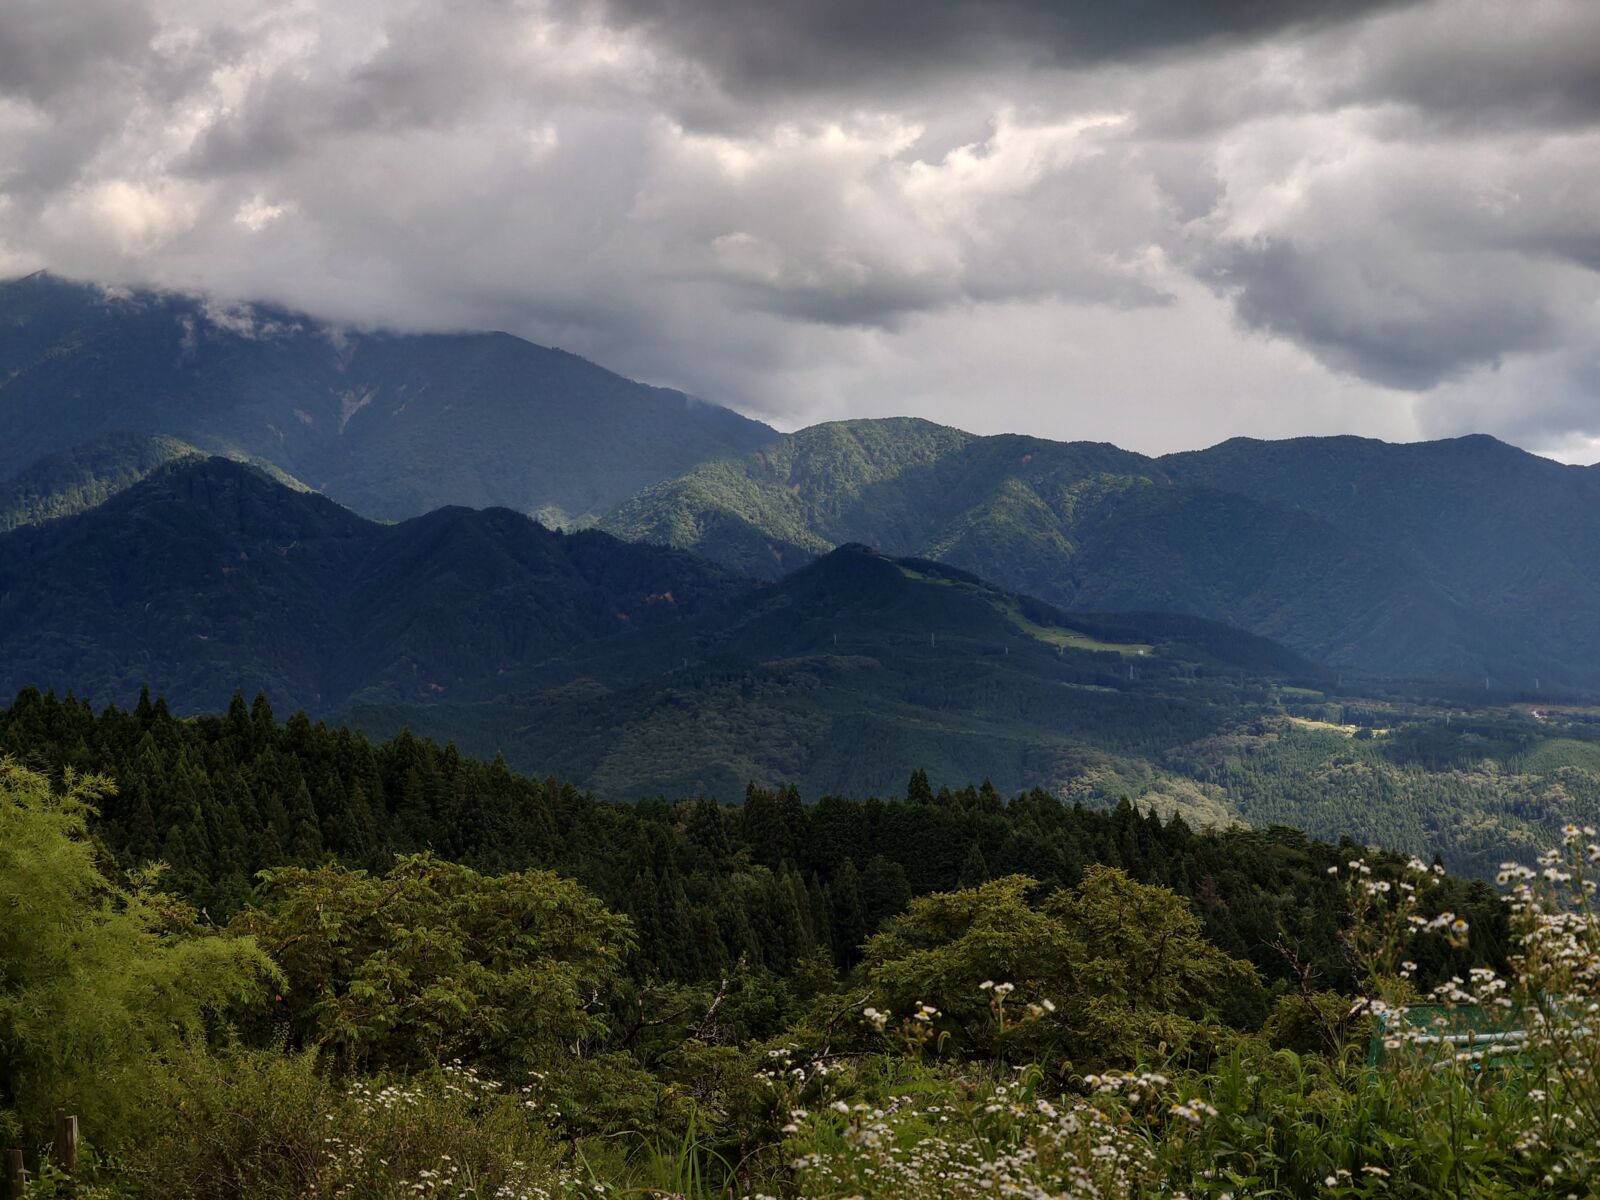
[[392, 425]]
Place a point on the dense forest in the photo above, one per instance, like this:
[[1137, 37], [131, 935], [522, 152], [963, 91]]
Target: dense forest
[[264, 958], [765, 882]]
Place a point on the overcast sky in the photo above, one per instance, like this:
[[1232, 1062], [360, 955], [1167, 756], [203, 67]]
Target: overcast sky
[[1157, 222]]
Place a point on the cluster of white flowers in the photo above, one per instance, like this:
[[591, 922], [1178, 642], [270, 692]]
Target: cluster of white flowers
[[789, 1077], [379, 1148], [1192, 1111], [1008, 1140]]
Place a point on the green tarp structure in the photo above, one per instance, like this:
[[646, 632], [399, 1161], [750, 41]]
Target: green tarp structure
[[1441, 1029]]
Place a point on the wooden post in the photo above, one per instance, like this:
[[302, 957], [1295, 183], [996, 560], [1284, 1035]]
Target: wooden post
[[67, 1141], [16, 1174]]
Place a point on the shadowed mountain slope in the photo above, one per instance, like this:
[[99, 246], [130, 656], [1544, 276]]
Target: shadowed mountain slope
[[391, 425], [209, 575], [846, 673], [625, 666]]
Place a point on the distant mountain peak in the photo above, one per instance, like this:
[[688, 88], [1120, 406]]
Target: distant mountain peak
[[391, 424]]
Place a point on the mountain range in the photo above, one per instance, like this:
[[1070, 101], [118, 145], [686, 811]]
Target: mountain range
[[209, 575], [391, 425], [637, 670], [1457, 559], [621, 665], [1464, 559]]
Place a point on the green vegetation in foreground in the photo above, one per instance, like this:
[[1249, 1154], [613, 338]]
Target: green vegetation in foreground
[[426, 1029]]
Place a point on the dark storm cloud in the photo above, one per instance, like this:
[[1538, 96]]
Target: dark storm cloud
[[49, 48], [868, 43], [1407, 331], [1474, 66]]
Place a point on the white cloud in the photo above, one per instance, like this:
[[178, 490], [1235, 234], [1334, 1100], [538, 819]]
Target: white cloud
[[1385, 225]]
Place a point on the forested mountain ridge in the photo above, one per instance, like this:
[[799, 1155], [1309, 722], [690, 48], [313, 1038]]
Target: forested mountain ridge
[[841, 676], [1456, 559], [627, 667], [87, 475], [1461, 559], [847, 673], [391, 425], [209, 575], [636, 670]]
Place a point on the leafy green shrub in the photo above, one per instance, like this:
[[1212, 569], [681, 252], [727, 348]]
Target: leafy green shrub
[[433, 962], [1101, 973], [270, 1126], [100, 983]]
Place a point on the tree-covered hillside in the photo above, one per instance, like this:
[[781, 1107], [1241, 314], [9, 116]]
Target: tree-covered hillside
[[208, 576], [84, 476], [1455, 559], [637, 670], [858, 668], [452, 981], [390, 425], [87, 475], [630, 668], [221, 798]]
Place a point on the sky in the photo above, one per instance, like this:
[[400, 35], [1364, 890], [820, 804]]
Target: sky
[[1158, 223]]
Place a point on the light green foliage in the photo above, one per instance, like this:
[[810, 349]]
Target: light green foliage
[[99, 982], [900, 482], [1108, 971], [265, 1125], [433, 962], [78, 479]]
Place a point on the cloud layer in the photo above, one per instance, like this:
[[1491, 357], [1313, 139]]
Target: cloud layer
[[1159, 223]]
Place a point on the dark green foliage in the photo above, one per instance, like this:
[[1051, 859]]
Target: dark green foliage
[[432, 962], [706, 886], [1125, 966], [392, 425], [209, 576]]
